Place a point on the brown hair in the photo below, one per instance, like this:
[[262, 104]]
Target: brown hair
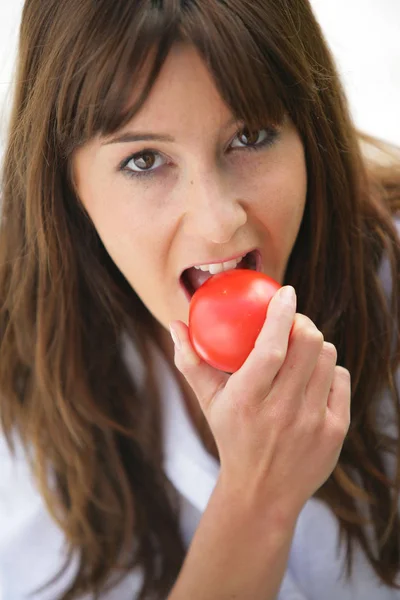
[[64, 304]]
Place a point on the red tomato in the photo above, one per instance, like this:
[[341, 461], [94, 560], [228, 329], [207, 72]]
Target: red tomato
[[226, 315]]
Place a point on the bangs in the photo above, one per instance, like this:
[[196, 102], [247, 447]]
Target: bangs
[[126, 53]]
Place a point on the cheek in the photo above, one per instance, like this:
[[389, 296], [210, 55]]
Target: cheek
[[125, 235], [107, 198], [122, 219], [282, 193], [114, 214]]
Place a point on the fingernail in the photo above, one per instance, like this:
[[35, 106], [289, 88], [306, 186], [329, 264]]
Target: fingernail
[[287, 295], [175, 338]]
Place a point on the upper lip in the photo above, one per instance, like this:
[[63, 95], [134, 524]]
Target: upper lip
[[223, 260]]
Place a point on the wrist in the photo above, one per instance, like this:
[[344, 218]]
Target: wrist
[[259, 512]]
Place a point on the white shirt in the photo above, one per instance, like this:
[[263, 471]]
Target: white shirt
[[31, 544]]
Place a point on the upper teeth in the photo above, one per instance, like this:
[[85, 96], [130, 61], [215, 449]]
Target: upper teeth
[[219, 267]]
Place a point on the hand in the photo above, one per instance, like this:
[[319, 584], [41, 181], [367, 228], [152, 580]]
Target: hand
[[279, 422]]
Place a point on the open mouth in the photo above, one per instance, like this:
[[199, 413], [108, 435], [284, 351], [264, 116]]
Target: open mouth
[[191, 279]]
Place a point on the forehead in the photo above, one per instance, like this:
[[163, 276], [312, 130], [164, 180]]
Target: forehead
[[184, 92]]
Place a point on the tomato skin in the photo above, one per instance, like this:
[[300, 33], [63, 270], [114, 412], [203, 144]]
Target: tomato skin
[[226, 315]]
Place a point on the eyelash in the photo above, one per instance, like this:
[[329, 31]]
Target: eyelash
[[273, 135]]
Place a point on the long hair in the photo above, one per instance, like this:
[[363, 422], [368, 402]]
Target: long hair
[[64, 304]]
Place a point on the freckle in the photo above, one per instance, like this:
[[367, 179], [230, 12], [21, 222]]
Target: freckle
[[191, 183]]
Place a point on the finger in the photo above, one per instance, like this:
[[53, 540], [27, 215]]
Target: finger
[[305, 346], [254, 379], [339, 400], [319, 386], [205, 381]]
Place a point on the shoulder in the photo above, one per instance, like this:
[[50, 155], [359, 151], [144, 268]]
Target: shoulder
[[29, 537], [18, 496]]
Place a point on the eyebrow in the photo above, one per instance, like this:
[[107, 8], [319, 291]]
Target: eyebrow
[[139, 137], [130, 136]]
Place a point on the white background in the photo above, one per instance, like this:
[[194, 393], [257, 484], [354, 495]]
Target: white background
[[364, 36]]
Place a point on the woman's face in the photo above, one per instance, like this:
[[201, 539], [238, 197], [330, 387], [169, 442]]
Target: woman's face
[[181, 186]]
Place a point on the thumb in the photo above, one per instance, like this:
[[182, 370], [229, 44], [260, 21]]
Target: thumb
[[205, 381]]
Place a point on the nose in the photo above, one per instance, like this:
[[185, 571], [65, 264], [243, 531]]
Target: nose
[[213, 211]]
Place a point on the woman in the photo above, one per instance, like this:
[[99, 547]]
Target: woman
[[147, 139]]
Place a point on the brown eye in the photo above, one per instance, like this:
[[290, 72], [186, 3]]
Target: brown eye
[[254, 140], [144, 161], [248, 138]]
